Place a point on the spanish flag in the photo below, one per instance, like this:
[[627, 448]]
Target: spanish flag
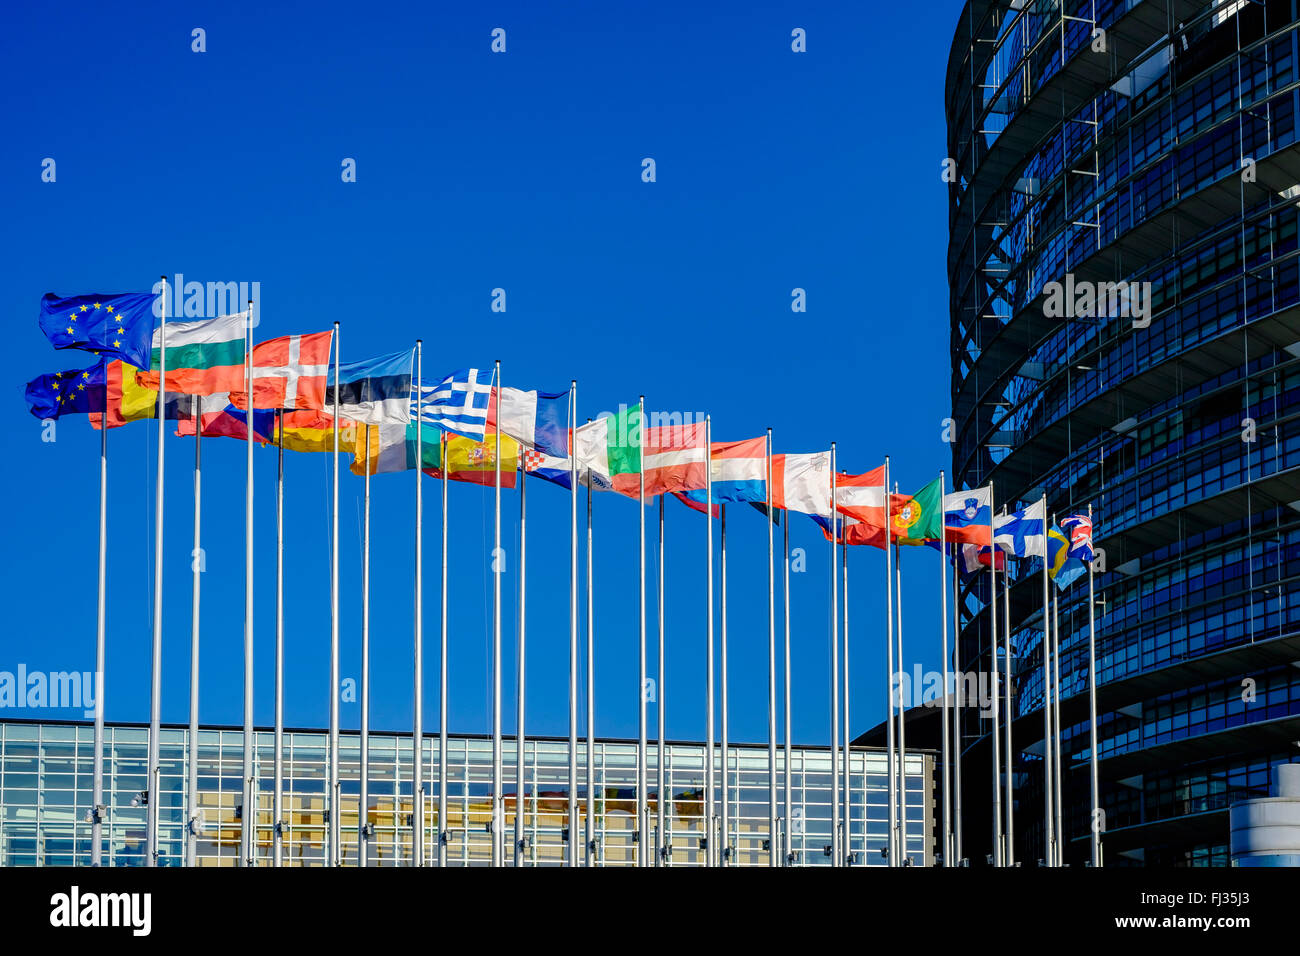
[[475, 461]]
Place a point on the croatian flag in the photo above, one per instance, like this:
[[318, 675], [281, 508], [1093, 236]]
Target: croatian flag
[[459, 403], [739, 473], [1023, 533], [968, 516], [538, 420]]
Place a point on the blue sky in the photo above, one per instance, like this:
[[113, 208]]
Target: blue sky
[[478, 171]]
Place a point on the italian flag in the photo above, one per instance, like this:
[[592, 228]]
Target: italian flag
[[609, 452], [203, 358]]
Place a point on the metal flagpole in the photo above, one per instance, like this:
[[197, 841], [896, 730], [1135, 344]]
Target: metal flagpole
[[640, 835], [521, 842], [789, 746], [249, 828], [707, 823], [945, 752], [994, 697], [196, 566], [155, 685], [1009, 766], [1049, 817], [725, 856], [97, 795], [417, 720], [848, 741], [1094, 823], [572, 850], [277, 810], [589, 838], [1056, 728], [363, 801], [904, 859], [661, 844], [498, 816], [335, 856], [444, 834], [837, 857], [773, 849], [957, 739], [890, 693]]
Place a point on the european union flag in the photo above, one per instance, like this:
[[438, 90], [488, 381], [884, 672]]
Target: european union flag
[[64, 393], [114, 326]]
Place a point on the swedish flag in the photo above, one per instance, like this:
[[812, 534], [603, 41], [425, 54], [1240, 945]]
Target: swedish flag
[[63, 393], [113, 326]]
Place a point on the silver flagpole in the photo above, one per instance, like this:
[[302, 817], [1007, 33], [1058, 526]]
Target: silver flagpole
[[773, 849], [1049, 841], [277, 811], [994, 697], [498, 815], [639, 828], [945, 752], [848, 740], [957, 739], [725, 857], [789, 746], [196, 565], [661, 832], [521, 842], [572, 849], [363, 801], [335, 856], [1094, 823], [155, 684], [891, 695], [1056, 728], [249, 828], [1009, 767], [97, 795], [444, 833], [904, 859], [589, 839], [707, 823], [837, 858], [417, 720]]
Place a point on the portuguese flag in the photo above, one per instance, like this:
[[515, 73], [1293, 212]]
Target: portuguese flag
[[915, 519], [203, 357]]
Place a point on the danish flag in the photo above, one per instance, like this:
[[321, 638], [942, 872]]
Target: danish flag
[[290, 372]]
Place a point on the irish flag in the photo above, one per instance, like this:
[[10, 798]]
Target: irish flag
[[203, 357]]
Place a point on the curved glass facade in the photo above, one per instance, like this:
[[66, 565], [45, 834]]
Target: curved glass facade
[[1143, 155]]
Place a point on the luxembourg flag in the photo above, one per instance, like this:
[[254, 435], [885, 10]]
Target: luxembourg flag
[[968, 516], [1024, 533], [739, 473]]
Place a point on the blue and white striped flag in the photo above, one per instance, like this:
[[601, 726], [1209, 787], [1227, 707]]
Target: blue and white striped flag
[[459, 403], [1024, 533]]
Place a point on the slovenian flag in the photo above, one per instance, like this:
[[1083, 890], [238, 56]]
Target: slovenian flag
[[968, 516]]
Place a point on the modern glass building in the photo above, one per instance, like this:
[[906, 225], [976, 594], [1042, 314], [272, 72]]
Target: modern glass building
[[1152, 144], [46, 775]]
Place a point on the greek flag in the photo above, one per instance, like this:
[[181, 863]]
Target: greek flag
[[1024, 533], [459, 403]]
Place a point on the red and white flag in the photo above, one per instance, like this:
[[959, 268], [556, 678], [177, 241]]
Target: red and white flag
[[290, 372], [674, 458], [802, 483]]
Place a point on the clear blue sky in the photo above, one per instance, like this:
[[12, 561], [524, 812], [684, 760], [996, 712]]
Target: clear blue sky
[[475, 171]]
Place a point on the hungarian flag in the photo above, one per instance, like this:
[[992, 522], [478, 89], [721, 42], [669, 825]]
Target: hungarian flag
[[609, 452], [203, 357], [915, 519], [289, 372]]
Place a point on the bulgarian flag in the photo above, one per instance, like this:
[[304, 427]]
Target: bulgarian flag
[[609, 452], [915, 519], [203, 357]]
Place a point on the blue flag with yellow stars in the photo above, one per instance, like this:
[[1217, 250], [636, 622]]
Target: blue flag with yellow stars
[[64, 393], [114, 326]]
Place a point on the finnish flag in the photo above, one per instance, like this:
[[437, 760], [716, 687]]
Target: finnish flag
[[1024, 533]]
